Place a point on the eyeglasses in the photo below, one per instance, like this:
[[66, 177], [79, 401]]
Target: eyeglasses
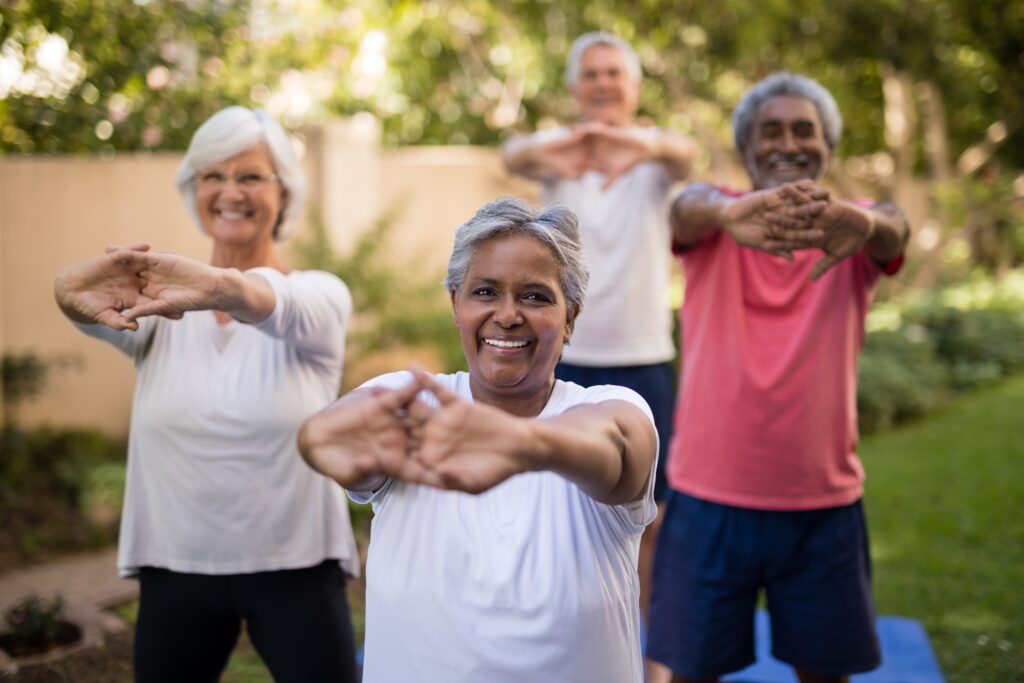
[[215, 180]]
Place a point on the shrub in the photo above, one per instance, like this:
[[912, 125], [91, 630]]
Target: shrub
[[900, 378], [35, 625]]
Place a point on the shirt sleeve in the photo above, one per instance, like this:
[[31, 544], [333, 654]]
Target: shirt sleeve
[[132, 343], [638, 513], [312, 311]]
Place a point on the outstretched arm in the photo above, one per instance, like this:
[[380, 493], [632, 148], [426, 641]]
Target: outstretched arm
[[881, 230], [615, 150], [363, 438], [539, 157], [892, 231], [606, 448], [777, 220], [176, 284], [99, 289]]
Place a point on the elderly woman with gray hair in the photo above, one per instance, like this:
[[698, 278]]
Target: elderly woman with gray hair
[[223, 523], [533, 578]]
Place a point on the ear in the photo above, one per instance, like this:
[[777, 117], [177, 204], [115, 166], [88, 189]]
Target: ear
[[572, 311], [454, 296]]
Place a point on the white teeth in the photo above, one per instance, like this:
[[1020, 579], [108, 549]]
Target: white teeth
[[505, 344], [232, 215]]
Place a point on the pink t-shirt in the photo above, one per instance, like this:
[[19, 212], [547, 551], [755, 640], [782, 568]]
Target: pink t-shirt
[[767, 411]]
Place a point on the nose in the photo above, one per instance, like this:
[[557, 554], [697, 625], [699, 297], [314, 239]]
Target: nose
[[507, 313], [789, 143], [231, 188]]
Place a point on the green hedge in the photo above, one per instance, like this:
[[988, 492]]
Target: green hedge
[[925, 348]]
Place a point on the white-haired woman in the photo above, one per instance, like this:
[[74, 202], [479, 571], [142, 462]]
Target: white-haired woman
[[533, 579], [223, 523]]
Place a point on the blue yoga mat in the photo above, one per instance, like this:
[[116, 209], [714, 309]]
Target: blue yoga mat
[[907, 656]]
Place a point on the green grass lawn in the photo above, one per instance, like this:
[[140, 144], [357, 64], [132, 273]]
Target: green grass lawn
[[945, 502]]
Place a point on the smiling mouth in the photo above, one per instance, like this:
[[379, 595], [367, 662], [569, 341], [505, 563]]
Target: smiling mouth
[[778, 162], [506, 344], [234, 215]]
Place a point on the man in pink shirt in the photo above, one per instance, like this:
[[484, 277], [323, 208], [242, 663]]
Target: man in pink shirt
[[766, 483]]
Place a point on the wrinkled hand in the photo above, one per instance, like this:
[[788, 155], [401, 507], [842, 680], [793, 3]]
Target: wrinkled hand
[[101, 289], [174, 285], [455, 445], [846, 228], [568, 157], [366, 439], [470, 446], [778, 220]]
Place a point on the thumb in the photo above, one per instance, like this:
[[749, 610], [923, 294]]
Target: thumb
[[823, 264]]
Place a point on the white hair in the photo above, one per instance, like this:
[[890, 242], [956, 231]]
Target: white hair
[[230, 132], [784, 83], [589, 40]]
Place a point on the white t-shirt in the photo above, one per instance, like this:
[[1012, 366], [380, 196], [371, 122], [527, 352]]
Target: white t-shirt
[[532, 580], [215, 481], [627, 316]]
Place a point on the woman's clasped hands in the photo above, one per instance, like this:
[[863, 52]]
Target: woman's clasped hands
[[420, 433]]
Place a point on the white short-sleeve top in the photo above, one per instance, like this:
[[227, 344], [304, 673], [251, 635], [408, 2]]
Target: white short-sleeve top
[[626, 242], [215, 483], [532, 580]]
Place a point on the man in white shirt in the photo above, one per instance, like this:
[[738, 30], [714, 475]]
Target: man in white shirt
[[616, 176]]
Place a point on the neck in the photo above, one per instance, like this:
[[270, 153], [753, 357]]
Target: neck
[[245, 257], [530, 405]]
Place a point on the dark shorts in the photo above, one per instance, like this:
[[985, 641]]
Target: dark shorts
[[656, 383], [814, 566], [297, 619]]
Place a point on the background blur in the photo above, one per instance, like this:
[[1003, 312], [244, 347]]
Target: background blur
[[398, 108]]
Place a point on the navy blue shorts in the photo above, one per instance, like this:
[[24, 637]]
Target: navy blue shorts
[[656, 383], [711, 562]]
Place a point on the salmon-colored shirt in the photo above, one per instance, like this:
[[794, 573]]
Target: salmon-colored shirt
[[767, 411]]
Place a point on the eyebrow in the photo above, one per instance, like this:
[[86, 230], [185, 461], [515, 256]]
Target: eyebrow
[[779, 122], [491, 282]]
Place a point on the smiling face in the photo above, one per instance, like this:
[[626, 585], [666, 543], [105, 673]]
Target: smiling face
[[604, 90], [786, 143], [240, 214], [513, 320]]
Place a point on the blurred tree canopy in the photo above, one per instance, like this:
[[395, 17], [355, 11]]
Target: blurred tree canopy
[[95, 75], [930, 90]]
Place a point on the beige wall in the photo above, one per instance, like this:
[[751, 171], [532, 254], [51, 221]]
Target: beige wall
[[55, 211]]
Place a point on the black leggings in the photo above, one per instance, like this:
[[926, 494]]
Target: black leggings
[[296, 618]]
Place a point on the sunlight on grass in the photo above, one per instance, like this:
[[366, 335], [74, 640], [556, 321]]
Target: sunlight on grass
[[943, 498]]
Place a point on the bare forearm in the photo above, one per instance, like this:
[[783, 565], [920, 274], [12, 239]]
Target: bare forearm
[[890, 234], [245, 297], [697, 213], [521, 157], [606, 449], [675, 152]]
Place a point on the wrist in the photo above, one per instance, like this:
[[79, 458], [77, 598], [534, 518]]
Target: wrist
[[533, 453]]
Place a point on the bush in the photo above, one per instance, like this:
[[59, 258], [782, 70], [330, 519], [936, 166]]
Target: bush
[[35, 625], [900, 379], [920, 349]]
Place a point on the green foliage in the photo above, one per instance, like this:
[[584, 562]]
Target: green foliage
[[23, 376], [899, 379], [35, 621], [931, 345], [395, 304], [468, 71]]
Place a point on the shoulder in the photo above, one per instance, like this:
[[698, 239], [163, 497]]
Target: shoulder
[[400, 378], [569, 395]]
